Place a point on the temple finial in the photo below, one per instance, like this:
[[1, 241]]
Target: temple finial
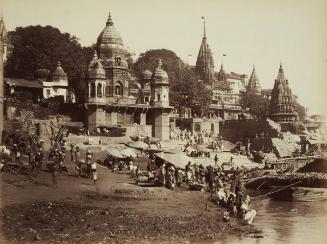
[[109, 21], [204, 27], [159, 63]]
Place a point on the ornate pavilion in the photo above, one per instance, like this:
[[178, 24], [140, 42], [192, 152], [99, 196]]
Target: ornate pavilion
[[114, 98]]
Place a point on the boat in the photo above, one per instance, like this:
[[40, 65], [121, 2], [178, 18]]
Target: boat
[[299, 194]]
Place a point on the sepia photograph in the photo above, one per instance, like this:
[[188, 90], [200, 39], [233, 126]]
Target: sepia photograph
[[175, 121]]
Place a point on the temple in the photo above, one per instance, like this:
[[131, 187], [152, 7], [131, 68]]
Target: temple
[[114, 98], [254, 83], [204, 63], [281, 104]]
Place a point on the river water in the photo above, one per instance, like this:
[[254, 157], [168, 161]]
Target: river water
[[288, 222]]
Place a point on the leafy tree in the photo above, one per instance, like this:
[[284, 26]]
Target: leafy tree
[[258, 105], [38, 47], [185, 90], [300, 110]]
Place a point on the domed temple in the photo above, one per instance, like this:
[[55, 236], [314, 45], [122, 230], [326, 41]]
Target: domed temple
[[114, 98], [281, 104]]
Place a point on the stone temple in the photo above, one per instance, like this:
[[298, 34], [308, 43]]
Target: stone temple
[[114, 98], [282, 107]]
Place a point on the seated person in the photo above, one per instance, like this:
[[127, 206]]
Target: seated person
[[247, 214]]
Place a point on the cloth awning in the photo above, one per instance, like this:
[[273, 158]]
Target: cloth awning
[[179, 160]]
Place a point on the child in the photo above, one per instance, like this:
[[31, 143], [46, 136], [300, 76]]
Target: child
[[94, 172]]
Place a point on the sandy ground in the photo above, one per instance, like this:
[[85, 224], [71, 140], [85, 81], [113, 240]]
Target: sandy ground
[[113, 210]]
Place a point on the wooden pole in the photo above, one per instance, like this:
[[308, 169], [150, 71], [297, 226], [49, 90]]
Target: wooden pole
[[278, 190]]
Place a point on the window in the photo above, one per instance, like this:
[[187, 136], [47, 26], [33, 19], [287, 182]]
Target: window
[[119, 89], [48, 92], [99, 90], [92, 90]]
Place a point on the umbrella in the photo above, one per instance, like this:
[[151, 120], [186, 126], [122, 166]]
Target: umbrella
[[179, 160], [114, 152], [128, 152], [138, 145]]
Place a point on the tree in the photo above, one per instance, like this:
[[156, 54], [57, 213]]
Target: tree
[[38, 47], [258, 105], [301, 111], [185, 90]]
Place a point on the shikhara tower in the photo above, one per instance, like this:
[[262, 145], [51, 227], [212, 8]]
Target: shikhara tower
[[281, 104], [204, 63], [254, 83]]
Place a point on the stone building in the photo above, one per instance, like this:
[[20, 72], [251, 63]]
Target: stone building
[[45, 86], [58, 86], [225, 87], [113, 96], [3, 34], [281, 103]]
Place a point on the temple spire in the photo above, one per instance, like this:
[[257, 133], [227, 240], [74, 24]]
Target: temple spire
[[204, 27]]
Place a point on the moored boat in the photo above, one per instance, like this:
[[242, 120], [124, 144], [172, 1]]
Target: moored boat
[[299, 194]]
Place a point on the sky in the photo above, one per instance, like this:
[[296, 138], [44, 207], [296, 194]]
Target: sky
[[252, 32]]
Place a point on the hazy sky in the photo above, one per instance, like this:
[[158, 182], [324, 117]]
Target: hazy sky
[[260, 32]]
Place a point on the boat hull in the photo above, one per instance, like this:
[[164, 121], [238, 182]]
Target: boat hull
[[300, 194]]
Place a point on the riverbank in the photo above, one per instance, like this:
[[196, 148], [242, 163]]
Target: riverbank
[[77, 211]]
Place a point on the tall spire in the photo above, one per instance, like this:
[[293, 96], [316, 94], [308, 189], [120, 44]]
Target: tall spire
[[204, 27], [109, 20], [282, 108], [254, 83]]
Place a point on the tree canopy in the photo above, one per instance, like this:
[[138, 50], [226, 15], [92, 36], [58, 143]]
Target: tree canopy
[[38, 47], [185, 90], [258, 105]]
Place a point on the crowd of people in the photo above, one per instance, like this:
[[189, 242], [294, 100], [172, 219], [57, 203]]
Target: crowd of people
[[226, 190]]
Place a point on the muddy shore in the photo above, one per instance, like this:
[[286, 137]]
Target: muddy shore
[[77, 211]]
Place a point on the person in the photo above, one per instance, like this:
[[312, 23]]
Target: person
[[37, 163], [247, 214], [188, 172], [216, 160], [130, 164], [162, 175], [61, 162], [210, 178], [72, 152], [88, 164], [171, 177], [94, 172], [77, 157]]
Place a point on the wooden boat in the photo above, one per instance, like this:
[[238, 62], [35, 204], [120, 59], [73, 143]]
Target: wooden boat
[[299, 194]]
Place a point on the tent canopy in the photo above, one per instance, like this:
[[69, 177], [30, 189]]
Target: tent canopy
[[114, 152], [138, 145], [180, 160], [128, 152]]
